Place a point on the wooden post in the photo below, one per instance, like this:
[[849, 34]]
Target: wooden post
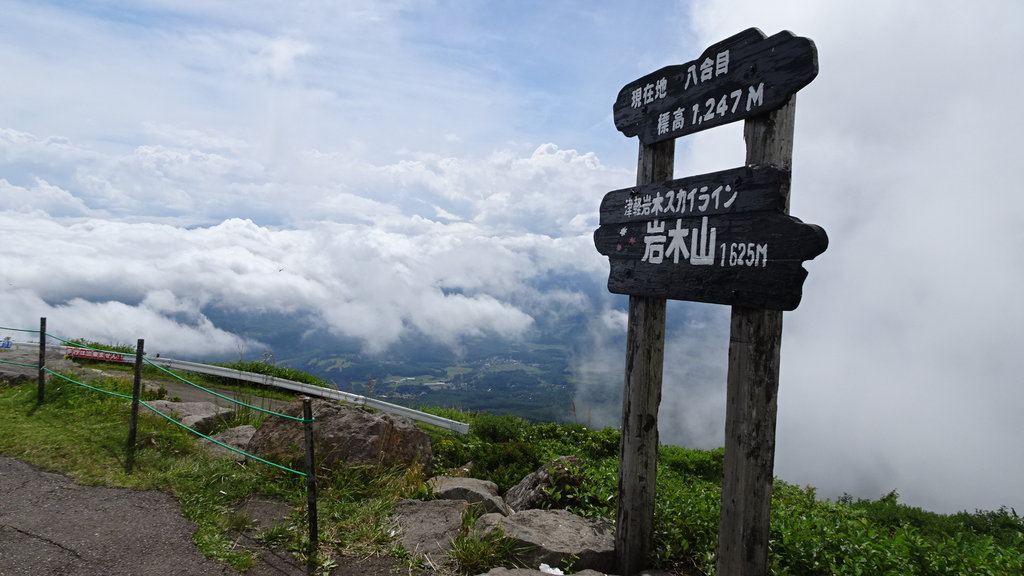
[[314, 531], [133, 421], [41, 388], [755, 343], [645, 359]]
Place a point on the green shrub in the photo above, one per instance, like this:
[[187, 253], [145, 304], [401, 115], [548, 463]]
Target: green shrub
[[268, 369], [499, 429], [705, 464]]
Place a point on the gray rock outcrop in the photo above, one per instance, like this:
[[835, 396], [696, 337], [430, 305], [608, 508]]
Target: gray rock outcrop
[[537, 488], [553, 536], [237, 437], [483, 493], [427, 528], [200, 416], [343, 434], [534, 572], [531, 572]]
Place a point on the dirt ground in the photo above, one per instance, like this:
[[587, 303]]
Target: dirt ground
[[50, 525]]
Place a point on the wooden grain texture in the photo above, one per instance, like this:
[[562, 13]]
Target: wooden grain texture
[[645, 359], [755, 344], [774, 68], [41, 382]]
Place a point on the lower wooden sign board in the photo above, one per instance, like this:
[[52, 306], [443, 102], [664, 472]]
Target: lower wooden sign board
[[721, 238]]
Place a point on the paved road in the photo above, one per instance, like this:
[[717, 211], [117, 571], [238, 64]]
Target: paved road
[[50, 525]]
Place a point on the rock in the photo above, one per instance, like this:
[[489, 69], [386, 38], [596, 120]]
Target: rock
[[343, 434], [552, 536], [200, 416], [554, 477], [426, 529], [480, 492], [588, 572], [532, 572], [237, 437]]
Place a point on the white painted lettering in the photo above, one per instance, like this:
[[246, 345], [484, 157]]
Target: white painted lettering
[[661, 88], [745, 254], [654, 242], [678, 119], [755, 96], [722, 63], [677, 244], [648, 93], [702, 245], [707, 68], [663, 123], [691, 77]]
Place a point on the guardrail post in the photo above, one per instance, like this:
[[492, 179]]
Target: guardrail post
[[133, 423], [314, 534], [41, 393]]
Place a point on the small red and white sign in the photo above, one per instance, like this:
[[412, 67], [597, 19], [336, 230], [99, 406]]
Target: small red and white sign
[[94, 354]]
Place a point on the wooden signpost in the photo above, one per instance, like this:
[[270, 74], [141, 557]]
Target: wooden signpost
[[725, 238]]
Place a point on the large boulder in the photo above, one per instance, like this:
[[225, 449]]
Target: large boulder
[[554, 536], [542, 488], [342, 434]]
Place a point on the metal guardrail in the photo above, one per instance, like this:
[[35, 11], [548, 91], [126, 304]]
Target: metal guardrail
[[307, 389], [311, 390]]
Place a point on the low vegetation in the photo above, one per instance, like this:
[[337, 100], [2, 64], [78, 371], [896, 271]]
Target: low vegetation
[[809, 536], [82, 433]]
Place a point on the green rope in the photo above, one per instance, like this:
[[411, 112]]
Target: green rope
[[17, 329], [285, 468], [155, 411], [73, 381], [19, 364], [193, 384]]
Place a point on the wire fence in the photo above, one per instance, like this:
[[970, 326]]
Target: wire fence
[[306, 420]]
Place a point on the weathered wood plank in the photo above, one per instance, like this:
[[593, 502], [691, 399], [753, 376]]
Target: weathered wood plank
[[645, 358], [752, 259], [737, 190], [740, 77], [755, 343]]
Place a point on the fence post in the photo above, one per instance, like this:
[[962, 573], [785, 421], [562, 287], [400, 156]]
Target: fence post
[[41, 393], [133, 423], [752, 386], [314, 534]]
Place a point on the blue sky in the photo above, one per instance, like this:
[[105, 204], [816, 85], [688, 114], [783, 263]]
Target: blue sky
[[386, 168]]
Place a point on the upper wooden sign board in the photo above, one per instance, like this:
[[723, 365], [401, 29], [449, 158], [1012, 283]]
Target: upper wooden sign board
[[740, 77]]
